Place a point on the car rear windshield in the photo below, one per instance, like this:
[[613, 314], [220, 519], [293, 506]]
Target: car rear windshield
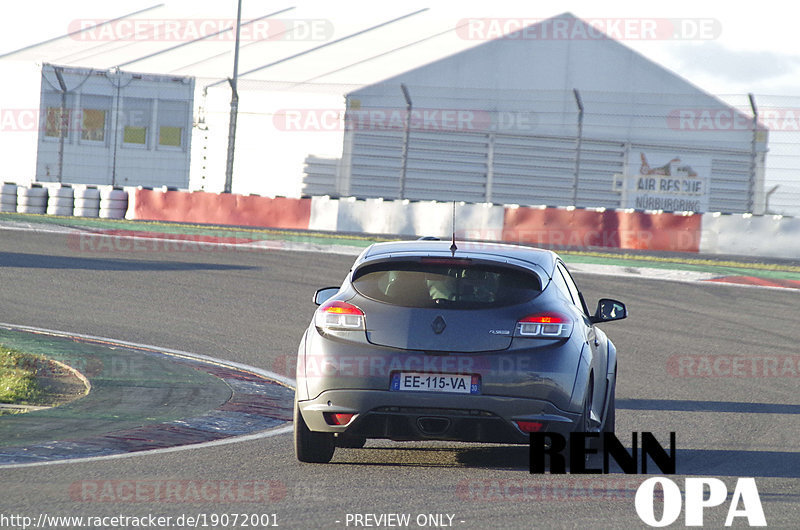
[[455, 285]]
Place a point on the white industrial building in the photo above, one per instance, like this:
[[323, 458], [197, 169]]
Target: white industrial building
[[542, 117], [390, 106], [114, 127]]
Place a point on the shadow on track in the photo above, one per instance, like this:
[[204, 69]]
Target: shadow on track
[[692, 462], [510, 457], [38, 261], [707, 406], [695, 462]]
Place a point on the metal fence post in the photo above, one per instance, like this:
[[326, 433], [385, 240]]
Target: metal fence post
[[579, 103], [234, 104], [407, 131], [115, 124], [63, 119], [490, 167], [753, 154]]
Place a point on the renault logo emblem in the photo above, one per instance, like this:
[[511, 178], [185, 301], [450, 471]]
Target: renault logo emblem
[[438, 325]]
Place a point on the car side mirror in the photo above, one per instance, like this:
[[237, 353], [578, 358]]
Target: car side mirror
[[608, 310], [324, 294]]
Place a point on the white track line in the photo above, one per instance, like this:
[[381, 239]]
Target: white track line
[[647, 273], [175, 353]]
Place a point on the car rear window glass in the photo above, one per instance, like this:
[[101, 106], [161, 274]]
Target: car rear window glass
[[444, 285]]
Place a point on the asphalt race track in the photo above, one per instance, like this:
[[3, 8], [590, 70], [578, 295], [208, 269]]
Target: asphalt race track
[[251, 307]]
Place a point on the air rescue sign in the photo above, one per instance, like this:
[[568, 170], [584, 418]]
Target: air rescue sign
[[676, 183]]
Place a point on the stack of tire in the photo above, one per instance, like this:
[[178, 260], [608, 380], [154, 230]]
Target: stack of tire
[[32, 199], [8, 197], [87, 202], [60, 201], [113, 203]]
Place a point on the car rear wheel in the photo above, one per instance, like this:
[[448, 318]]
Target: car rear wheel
[[312, 447], [611, 414], [585, 423]]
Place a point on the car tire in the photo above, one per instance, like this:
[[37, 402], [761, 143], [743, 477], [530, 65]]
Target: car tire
[[585, 421], [311, 447], [350, 441], [611, 414]]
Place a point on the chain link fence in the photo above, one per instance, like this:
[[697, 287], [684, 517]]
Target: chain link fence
[[559, 148], [572, 147], [584, 148]]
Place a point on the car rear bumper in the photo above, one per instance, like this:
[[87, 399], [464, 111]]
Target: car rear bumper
[[411, 416]]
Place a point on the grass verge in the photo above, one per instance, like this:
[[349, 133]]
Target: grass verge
[[18, 384], [29, 382]]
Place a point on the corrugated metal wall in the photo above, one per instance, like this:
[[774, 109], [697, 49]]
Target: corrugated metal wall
[[510, 169]]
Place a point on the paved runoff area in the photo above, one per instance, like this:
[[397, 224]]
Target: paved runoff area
[[141, 399]]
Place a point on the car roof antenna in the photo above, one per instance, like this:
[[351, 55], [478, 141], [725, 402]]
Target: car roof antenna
[[453, 247]]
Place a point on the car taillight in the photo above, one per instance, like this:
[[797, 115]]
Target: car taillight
[[529, 426], [337, 418], [544, 325], [336, 315]]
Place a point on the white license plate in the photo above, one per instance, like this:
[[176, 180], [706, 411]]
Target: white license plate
[[450, 383]]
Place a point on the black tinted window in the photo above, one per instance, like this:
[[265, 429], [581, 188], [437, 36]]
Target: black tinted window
[[462, 286]]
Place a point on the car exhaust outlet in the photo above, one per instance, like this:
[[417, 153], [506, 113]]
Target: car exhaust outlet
[[433, 425]]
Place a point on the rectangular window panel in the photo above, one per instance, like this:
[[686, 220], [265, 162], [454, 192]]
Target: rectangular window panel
[[57, 115], [135, 135], [57, 122], [173, 118], [94, 114], [170, 136], [135, 120], [94, 125]]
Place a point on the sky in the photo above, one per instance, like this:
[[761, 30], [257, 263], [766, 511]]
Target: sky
[[752, 48]]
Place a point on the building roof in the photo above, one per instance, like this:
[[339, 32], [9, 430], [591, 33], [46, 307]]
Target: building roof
[[319, 43], [316, 44]]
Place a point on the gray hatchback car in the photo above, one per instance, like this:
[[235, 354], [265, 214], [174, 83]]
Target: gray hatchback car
[[479, 343]]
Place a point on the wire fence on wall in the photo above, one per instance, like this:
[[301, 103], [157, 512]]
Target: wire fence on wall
[[574, 147], [570, 148]]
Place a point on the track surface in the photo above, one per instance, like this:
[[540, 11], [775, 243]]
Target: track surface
[[252, 307]]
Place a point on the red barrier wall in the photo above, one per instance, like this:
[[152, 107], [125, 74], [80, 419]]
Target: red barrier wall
[[548, 227], [608, 228], [660, 231], [223, 208]]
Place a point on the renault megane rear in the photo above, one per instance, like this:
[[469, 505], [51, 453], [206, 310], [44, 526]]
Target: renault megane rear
[[483, 343]]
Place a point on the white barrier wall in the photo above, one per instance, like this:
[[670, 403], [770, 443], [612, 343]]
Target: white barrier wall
[[324, 213], [768, 236], [405, 218]]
